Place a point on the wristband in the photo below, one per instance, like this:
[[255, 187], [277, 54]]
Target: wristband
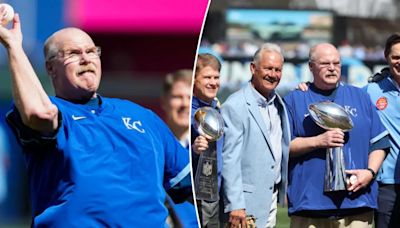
[[372, 172]]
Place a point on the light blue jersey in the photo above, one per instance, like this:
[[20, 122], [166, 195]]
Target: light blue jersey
[[107, 166], [385, 95]]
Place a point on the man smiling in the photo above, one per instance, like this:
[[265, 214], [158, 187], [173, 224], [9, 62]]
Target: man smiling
[[255, 152], [205, 89]]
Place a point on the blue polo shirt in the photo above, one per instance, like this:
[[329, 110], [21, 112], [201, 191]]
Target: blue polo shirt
[[106, 166], [306, 172], [385, 96]]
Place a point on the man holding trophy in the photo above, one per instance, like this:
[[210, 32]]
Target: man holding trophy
[[338, 144], [206, 148]]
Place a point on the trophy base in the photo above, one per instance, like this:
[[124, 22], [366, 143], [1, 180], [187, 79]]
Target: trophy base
[[206, 179]]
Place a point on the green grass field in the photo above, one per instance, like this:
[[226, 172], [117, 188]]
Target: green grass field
[[283, 220]]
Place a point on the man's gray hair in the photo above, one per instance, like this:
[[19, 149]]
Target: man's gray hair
[[51, 47], [268, 47], [50, 50]]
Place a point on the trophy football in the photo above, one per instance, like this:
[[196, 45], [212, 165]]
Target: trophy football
[[329, 115], [208, 121]]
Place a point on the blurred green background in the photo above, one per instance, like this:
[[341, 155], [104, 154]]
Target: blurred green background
[[282, 220]]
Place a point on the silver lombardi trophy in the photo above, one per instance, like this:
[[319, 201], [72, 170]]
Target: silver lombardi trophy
[[208, 122], [329, 115]]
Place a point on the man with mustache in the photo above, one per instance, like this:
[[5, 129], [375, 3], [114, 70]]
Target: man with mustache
[[256, 145], [363, 149], [92, 161]]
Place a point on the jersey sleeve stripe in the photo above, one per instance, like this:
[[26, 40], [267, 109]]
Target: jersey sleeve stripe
[[181, 175]]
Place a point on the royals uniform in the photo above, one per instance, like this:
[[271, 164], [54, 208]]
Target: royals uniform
[[306, 172], [186, 210], [107, 166]]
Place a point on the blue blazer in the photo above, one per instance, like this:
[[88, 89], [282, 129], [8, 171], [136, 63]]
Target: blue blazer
[[248, 161]]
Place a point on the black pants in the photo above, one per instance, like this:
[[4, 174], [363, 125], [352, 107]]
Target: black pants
[[388, 213]]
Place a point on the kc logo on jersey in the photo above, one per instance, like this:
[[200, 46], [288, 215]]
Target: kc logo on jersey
[[133, 125], [381, 103], [350, 110]]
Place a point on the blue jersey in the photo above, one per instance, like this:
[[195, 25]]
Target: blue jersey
[[186, 210], [386, 98], [186, 213], [306, 172], [106, 166]]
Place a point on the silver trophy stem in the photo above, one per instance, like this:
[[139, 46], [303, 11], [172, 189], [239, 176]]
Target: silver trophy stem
[[335, 175]]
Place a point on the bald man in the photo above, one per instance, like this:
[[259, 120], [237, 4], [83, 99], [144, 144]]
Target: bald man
[[363, 147], [92, 161]]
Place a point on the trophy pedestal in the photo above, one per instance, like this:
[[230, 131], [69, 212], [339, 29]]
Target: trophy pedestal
[[335, 175], [206, 179]]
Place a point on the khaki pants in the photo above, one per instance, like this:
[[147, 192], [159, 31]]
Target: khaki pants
[[363, 220]]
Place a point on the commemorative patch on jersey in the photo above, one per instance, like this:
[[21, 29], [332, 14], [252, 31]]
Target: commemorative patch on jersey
[[381, 103]]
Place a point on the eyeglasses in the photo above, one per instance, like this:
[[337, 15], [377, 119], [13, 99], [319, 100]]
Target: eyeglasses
[[328, 64], [75, 55]]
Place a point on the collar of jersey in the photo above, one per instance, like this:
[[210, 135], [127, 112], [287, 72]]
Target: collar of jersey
[[394, 83], [198, 103], [102, 104]]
